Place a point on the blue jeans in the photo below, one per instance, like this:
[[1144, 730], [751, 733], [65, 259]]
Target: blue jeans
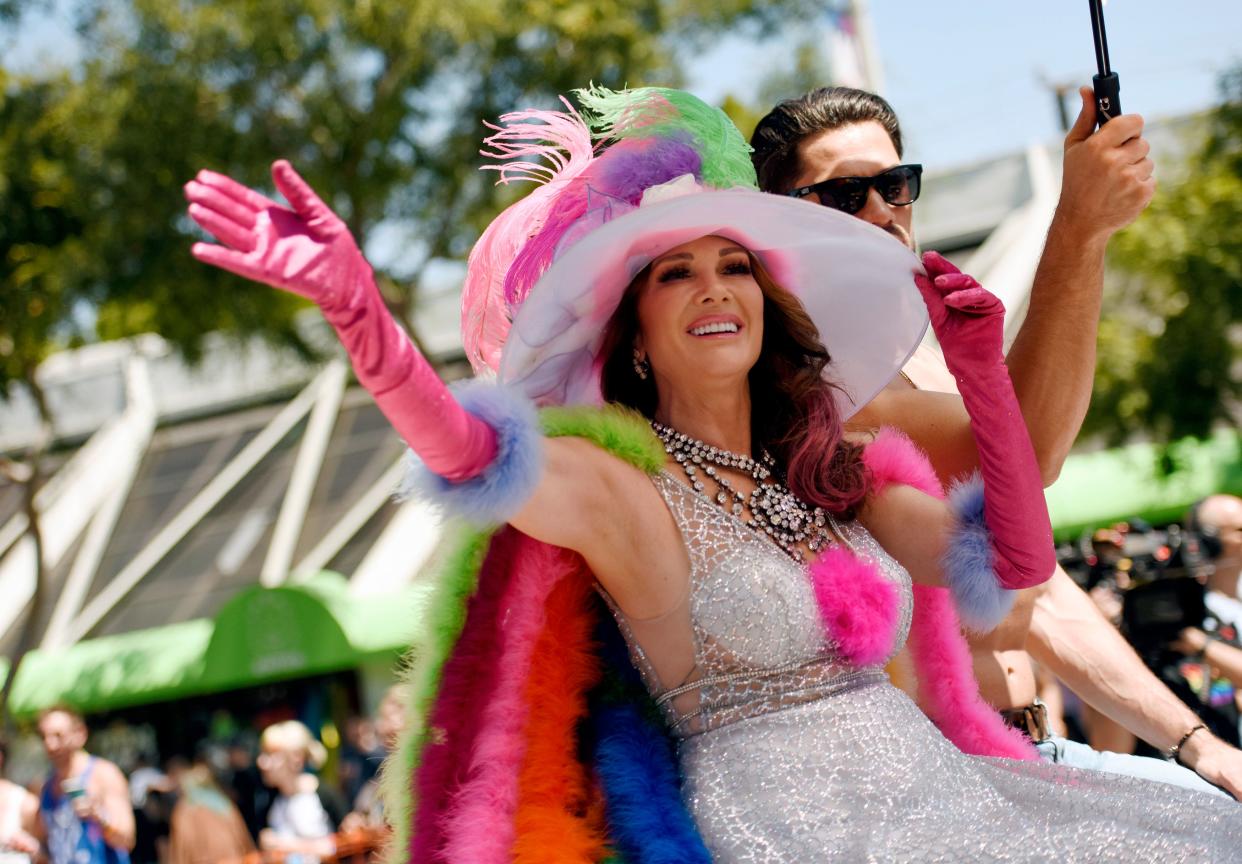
[[1062, 751]]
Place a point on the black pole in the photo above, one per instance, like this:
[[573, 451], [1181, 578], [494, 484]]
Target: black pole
[[1101, 38], [1107, 85]]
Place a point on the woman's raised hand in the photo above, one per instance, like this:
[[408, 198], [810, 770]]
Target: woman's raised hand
[[307, 249]]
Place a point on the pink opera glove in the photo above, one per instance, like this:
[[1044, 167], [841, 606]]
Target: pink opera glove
[[969, 322], [308, 250]]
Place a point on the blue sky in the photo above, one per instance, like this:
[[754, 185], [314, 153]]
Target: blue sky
[[964, 74]]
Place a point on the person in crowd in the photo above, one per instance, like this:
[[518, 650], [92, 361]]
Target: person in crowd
[[150, 791], [760, 573], [300, 819], [842, 148], [85, 813], [1220, 656], [207, 827], [390, 722], [1217, 520], [244, 785], [360, 756], [18, 809]]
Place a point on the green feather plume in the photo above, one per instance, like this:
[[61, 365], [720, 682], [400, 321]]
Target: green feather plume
[[651, 112]]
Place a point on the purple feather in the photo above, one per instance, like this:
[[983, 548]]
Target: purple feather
[[628, 168]]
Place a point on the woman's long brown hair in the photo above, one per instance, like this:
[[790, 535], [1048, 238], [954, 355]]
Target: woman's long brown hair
[[793, 412]]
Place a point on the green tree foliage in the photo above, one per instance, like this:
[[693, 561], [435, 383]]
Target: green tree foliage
[[804, 69], [1170, 338], [379, 104]]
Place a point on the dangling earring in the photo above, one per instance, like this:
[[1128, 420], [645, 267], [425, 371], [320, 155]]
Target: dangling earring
[[641, 367]]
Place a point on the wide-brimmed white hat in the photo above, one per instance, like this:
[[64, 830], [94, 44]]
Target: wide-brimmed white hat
[[604, 218]]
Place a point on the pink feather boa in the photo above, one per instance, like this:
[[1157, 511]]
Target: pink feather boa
[[466, 685], [947, 688], [479, 825]]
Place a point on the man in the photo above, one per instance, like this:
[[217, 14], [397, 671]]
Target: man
[[85, 815], [1217, 519], [836, 133]]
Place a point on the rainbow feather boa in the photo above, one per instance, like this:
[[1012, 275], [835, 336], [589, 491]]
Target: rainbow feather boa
[[532, 739]]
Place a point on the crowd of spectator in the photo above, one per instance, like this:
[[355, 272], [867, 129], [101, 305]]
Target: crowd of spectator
[[1174, 593], [224, 803]]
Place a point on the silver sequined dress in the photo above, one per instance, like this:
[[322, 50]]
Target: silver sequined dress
[[789, 754]]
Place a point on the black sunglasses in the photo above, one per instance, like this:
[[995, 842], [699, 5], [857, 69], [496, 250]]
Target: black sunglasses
[[898, 186]]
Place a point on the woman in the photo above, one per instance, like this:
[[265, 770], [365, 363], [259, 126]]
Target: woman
[[641, 276], [297, 822]]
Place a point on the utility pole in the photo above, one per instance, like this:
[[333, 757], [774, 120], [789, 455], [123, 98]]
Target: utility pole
[[1060, 90], [864, 38]]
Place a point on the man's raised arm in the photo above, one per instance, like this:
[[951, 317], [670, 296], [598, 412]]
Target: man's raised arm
[[1106, 182]]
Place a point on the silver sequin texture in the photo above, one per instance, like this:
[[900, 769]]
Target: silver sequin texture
[[788, 754]]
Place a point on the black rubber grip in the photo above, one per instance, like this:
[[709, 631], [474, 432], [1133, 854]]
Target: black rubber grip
[[1107, 97]]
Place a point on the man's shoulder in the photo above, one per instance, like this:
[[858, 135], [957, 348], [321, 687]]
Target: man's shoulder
[[104, 771]]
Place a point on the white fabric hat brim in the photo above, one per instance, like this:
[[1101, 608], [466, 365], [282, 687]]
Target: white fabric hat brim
[[855, 280]]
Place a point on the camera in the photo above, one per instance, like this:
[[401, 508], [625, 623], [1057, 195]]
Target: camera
[[1151, 582]]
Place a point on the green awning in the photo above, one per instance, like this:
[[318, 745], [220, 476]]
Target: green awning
[[1097, 489], [261, 635], [144, 666]]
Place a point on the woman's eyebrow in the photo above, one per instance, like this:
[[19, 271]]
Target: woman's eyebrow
[[676, 256], [729, 250], [686, 256]]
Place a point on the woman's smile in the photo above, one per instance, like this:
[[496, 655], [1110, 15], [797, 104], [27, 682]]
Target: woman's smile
[[715, 326]]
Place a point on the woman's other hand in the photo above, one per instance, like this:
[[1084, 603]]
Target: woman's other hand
[[968, 320]]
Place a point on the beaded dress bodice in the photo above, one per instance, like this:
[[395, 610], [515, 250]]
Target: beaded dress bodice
[[751, 618]]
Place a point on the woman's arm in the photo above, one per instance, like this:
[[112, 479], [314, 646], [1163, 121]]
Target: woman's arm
[[481, 443], [969, 321], [308, 250], [888, 517], [994, 531], [609, 511]]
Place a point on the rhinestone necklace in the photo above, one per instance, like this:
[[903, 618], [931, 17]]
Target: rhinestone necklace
[[775, 511]]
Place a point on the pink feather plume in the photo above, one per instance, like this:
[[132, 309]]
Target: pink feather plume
[[551, 148]]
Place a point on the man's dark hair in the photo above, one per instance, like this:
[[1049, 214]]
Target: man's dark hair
[[776, 138]]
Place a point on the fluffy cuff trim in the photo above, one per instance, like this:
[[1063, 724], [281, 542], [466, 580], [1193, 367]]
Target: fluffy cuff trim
[[857, 604], [493, 496], [969, 565]]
